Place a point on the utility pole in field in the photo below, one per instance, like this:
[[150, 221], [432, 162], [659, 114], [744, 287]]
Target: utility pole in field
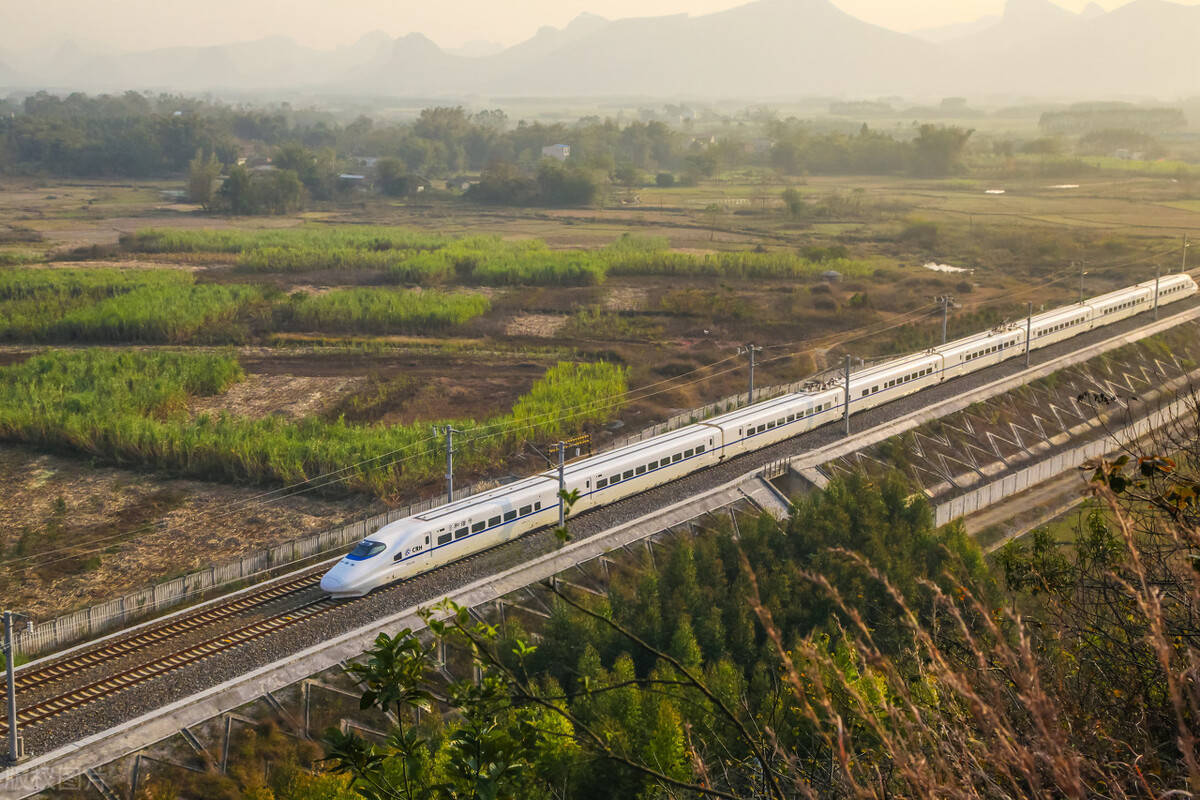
[[449, 430], [846, 413], [1186, 245], [751, 350], [1082, 272]]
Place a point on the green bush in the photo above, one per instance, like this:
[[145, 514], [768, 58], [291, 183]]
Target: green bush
[[13, 258], [156, 314], [110, 305]]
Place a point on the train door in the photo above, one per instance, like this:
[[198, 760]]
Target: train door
[[442, 536], [415, 556]]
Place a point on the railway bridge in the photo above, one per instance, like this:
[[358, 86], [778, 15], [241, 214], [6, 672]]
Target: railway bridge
[[98, 713]]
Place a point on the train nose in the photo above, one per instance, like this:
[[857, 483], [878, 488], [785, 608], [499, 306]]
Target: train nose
[[337, 581], [342, 581], [331, 583]]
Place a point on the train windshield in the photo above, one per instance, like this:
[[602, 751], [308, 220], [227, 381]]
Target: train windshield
[[366, 549]]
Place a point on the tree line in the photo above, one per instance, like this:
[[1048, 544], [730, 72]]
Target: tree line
[[271, 160]]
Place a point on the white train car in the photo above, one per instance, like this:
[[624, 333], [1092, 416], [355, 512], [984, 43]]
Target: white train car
[[763, 424], [1173, 287], [1123, 303], [1061, 323], [883, 383], [611, 476], [981, 350], [445, 534]]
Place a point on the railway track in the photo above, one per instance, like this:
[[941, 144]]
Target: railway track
[[120, 681], [117, 682], [158, 634]]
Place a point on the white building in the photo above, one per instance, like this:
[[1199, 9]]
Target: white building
[[560, 152]]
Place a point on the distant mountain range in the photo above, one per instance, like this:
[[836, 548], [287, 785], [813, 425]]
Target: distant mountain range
[[766, 49]]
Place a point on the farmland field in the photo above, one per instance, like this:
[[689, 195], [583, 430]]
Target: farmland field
[[196, 358]]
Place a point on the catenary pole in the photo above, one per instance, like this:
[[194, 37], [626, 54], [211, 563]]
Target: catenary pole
[[1157, 279], [449, 430], [10, 656], [1028, 331], [562, 483], [846, 412], [945, 300], [751, 350]]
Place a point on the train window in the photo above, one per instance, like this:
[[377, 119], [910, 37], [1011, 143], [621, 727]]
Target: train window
[[526, 510], [614, 479], [494, 521], [444, 538], [509, 516], [627, 475], [866, 392], [700, 448], [538, 505], [602, 483], [689, 453], [478, 526], [366, 549], [791, 417], [460, 532], [770, 424], [640, 471], [676, 457]]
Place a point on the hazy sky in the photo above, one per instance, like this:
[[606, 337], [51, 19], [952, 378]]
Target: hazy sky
[[144, 24]]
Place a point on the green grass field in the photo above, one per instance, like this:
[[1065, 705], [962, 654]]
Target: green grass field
[[131, 408]]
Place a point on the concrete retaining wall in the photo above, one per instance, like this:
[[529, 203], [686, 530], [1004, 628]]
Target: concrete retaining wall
[[1017, 482]]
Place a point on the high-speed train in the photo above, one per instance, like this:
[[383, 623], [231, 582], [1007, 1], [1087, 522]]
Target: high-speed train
[[445, 534]]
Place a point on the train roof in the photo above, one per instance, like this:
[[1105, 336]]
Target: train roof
[[1120, 294], [1062, 312], [601, 460], [490, 496], [975, 339], [888, 367]]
